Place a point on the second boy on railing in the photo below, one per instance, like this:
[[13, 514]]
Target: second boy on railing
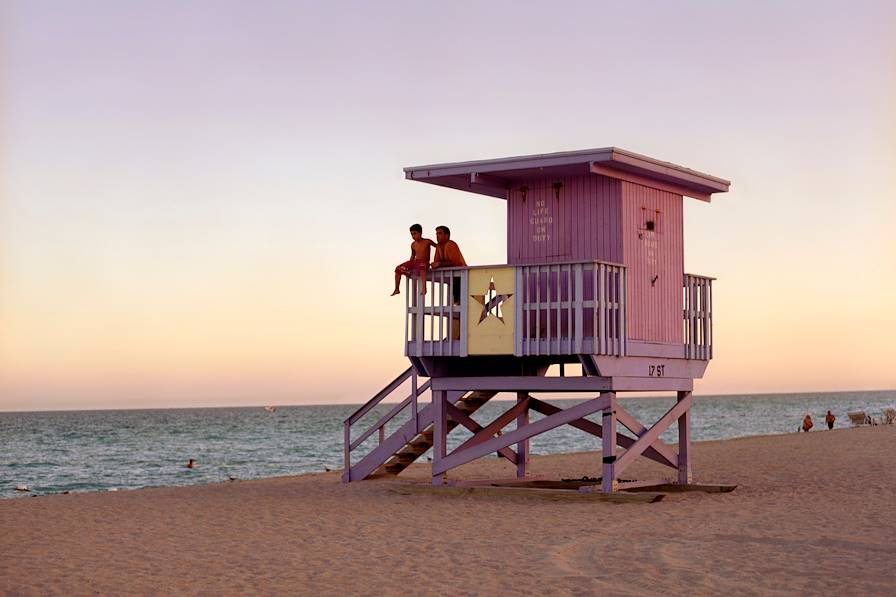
[[419, 261]]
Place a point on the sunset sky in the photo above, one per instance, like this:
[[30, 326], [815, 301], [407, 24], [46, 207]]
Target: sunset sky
[[201, 203]]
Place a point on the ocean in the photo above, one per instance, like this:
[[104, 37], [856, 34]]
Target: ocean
[[59, 451]]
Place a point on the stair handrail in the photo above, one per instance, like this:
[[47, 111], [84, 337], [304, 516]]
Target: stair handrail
[[416, 390], [389, 415], [378, 397]]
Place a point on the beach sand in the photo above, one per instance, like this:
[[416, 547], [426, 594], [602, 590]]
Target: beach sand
[[813, 514]]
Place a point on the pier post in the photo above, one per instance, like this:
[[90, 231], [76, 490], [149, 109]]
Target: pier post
[[684, 443], [439, 432], [608, 445], [522, 448]]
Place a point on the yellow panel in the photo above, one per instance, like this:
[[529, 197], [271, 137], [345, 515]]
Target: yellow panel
[[491, 331]]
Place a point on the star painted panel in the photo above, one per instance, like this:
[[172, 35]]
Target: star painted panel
[[491, 302], [491, 314]]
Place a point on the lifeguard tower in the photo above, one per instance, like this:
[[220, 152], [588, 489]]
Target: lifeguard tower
[[594, 277]]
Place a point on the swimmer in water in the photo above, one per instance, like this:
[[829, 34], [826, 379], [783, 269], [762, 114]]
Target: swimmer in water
[[190, 464]]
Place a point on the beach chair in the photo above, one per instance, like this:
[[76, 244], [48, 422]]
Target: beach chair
[[859, 418], [889, 417]]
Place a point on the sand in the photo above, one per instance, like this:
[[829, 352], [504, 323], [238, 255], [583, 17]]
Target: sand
[[813, 514]]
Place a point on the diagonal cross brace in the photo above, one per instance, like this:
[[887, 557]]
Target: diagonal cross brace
[[651, 435], [666, 459], [459, 457], [664, 451], [495, 426], [465, 420]]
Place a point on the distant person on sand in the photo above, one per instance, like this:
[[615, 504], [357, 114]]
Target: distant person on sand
[[829, 419], [807, 423], [448, 255], [190, 464], [419, 261]]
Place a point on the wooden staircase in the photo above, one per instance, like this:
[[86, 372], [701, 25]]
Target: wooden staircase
[[396, 451], [417, 447]]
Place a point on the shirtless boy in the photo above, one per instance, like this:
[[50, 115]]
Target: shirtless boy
[[419, 261]]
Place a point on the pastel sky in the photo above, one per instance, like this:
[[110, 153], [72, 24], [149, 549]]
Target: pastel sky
[[201, 203]]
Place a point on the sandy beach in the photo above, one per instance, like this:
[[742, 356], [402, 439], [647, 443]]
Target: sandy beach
[[813, 514]]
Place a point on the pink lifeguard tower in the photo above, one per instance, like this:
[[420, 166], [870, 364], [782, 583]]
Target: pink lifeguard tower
[[594, 277]]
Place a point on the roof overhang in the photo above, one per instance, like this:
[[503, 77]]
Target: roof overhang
[[495, 177]]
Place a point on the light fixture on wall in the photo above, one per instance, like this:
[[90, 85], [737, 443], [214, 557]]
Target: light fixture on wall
[[557, 186]]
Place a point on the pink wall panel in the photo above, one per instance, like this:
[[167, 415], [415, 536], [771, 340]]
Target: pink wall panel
[[654, 261], [601, 218], [584, 223]]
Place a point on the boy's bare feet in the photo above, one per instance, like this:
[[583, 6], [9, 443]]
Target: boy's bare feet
[[394, 292]]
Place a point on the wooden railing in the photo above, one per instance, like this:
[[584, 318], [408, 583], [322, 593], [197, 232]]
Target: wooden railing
[[560, 309], [571, 308], [697, 316], [436, 322], [380, 425]]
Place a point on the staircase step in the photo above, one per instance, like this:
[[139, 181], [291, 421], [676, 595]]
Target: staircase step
[[416, 450]]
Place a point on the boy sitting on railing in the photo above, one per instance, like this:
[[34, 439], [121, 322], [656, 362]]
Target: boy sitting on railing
[[419, 262]]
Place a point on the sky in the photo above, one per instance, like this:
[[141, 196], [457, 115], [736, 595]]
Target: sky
[[201, 203]]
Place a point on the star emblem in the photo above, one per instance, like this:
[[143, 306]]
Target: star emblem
[[491, 302]]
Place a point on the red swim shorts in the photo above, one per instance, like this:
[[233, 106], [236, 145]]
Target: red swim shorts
[[411, 267]]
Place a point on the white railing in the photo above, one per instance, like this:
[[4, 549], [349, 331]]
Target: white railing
[[697, 317], [560, 309], [571, 308], [436, 322]]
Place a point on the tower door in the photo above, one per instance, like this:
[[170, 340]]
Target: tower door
[[654, 257]]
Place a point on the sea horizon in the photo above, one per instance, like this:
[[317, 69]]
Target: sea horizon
[[395, 401], [117, 449]]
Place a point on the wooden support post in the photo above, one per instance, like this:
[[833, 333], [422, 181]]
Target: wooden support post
[[347, 464], [684, 443], [415, 392], [608, 448], [522, 448], [440, 432]]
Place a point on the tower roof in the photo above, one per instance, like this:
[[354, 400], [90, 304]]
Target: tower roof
[[494, 177]]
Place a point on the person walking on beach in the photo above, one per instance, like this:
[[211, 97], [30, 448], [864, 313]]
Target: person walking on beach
[[448, 255], [807, 423], [829, 419], [419, 261]]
